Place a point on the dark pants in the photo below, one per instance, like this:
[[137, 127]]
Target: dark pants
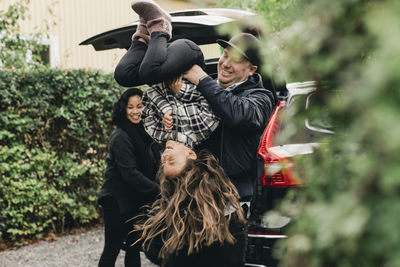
[[159, 62], [116, 231], [216, 255]]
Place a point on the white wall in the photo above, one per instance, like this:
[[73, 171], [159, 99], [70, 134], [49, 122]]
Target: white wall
[[72, 21]]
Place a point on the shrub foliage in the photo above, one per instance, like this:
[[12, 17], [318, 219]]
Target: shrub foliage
[[348, 213], [54, 128]]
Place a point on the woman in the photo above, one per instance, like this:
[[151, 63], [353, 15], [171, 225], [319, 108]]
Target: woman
[[198, 220], [132, 163]]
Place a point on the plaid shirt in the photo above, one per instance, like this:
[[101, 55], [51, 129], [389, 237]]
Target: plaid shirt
[[192, 116]]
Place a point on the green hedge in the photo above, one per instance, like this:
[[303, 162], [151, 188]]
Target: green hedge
[[54, 128]]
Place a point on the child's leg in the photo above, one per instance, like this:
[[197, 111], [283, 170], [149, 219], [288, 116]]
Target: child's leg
[[141, 31], [151, 68], [164, 62], [161, 64], [127, 71]]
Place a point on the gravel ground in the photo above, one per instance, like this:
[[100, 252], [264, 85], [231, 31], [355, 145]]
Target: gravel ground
[[79, 250]]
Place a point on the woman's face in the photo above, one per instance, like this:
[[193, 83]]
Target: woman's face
[[175, 156], [134, 109]]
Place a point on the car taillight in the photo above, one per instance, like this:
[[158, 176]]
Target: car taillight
[[278, 173]]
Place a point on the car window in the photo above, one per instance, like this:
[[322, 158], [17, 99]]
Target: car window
[[211, 50], [300, 126], [317, 121]]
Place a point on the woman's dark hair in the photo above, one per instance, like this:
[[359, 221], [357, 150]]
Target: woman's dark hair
[[119, 111]]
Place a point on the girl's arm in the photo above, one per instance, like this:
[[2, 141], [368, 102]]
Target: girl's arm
[[155, 108]]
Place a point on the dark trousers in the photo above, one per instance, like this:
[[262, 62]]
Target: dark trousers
[[158, 62], [216, 255], [116, 229]]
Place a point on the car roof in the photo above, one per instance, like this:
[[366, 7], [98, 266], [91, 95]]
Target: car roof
[[198, 25]]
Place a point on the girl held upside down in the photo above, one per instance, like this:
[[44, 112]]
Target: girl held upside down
[[197, 221]]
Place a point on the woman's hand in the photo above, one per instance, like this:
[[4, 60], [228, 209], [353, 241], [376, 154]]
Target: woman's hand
[[176, 84], [167, 120]]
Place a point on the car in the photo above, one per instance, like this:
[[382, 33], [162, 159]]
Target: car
[[291, 133], [275, 153]]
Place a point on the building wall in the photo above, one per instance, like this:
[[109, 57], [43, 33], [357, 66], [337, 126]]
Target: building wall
[[72, 21]]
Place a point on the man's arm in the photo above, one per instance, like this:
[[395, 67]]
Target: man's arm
[[250, 112]]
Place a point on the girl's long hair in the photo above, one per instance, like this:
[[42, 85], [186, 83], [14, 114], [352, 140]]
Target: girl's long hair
[[191, 212]]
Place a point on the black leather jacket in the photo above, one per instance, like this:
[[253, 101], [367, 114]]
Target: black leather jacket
[[245, 111]]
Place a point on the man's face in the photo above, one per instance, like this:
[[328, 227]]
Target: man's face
[[233, 68]]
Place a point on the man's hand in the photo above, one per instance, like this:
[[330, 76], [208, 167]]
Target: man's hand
[[194, 74], [167, 120], [176, 84]]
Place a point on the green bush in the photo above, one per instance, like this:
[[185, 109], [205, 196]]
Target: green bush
[[348, 214], [54, 130]]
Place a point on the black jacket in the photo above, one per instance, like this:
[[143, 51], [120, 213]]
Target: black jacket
[[128, 182], [245, 112]]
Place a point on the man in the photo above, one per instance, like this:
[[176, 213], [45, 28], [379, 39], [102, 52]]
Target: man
[[244, 105]]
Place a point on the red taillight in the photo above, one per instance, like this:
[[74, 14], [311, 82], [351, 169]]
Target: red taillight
[[278, 171]]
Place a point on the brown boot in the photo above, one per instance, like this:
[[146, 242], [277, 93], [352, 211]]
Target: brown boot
[[157, 19], [141, 31]]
